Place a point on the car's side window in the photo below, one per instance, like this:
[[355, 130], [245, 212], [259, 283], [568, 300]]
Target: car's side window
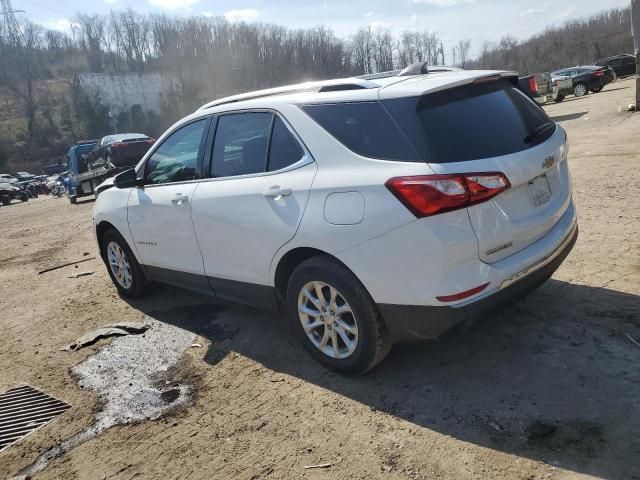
[[628, 61], [240, 145], [284, 149], [176, 158], [616, 62]]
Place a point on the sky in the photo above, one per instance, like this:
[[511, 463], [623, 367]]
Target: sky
[[453, 20]]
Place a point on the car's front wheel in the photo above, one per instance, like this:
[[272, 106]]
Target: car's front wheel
[[123, 268], [335, 317], [580, 90]]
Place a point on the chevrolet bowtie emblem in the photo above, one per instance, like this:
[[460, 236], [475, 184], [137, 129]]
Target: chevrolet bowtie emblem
[[548, 162]]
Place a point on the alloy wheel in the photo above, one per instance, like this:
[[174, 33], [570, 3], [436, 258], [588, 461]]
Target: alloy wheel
[[328, 320], [119, 265], [580, 90]]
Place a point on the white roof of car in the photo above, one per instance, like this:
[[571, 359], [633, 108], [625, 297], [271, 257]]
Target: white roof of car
[[352, 89]]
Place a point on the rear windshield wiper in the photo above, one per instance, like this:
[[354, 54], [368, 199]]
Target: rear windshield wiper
[[539, 131]]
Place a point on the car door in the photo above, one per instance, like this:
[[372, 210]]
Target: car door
[[628, 66], [160, 213], [252, 204]]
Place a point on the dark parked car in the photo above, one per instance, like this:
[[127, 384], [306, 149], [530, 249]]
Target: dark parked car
[[120, 150], [623, 65], [587, 78]]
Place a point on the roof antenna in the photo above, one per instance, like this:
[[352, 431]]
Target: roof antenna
[[418, 68]]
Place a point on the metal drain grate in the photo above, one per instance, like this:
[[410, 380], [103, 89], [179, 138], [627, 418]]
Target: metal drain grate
[[23, 410]]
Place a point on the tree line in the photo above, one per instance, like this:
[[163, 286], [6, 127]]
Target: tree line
[[210, 57], [576, 42]]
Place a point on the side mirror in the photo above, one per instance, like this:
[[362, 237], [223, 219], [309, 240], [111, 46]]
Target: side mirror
[[126, 179]]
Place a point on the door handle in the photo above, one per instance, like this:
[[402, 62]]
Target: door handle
[[179, 199], [276, 192]]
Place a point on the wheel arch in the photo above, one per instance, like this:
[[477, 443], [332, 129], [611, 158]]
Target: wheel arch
[[101, 229], [288, 263]]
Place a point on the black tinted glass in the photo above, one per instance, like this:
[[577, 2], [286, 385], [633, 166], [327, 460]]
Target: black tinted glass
[[470, 122], [285, 149], [176, 158], [364, 128], [240, 145]]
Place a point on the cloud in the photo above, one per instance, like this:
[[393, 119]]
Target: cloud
[[61, 24], [368, 14], [110, 2], [533, 11], [243, 15], [441, 3], [173, 4], [208, 14], [378, 25], [567, 12]]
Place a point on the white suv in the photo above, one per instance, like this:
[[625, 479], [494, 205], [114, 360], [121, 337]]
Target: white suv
[[371, 211]]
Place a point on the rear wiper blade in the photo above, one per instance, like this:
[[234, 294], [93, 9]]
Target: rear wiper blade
[[539, 131]]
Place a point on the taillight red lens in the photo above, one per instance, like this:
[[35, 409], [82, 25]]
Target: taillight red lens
[[533, 85], [597, 73], [427, 195]]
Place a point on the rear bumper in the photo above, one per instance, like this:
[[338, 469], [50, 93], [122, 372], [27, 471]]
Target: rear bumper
[[418, 322]]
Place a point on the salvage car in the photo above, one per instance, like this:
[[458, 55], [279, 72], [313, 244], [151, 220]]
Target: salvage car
[[541, 87], [563, 86], [587, 78], [369, 212], [623, 65], [10, 192], [123, 149]]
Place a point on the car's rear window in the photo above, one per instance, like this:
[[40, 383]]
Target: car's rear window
[[470, 122], [364, 128]]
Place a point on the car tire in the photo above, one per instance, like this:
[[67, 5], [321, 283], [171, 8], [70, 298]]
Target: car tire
[[24, 197], [5, 199], [597, 90], [359, 320], [126, 273], [580, 89], [558, 98], [73, 199]]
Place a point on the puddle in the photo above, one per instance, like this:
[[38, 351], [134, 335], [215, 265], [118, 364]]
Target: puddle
[[128, 376]]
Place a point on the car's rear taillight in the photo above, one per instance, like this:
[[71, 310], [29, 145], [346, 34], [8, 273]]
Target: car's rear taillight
[[427, 195], [533, 86], [119, 144], [597, 73]]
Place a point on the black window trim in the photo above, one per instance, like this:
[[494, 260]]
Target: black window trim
[[199, 162], [306, 159]]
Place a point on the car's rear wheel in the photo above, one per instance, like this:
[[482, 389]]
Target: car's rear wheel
[[335, 317], [5, 199], [580, 90], [597, 90], [558, 98], [123, 268]]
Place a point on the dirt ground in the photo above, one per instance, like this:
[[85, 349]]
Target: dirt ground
[[547, 389]]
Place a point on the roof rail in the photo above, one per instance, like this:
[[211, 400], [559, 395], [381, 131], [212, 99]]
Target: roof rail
[[321, 86], [373, 76]]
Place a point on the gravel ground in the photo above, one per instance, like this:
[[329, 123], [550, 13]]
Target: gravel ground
[[547, 388]]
